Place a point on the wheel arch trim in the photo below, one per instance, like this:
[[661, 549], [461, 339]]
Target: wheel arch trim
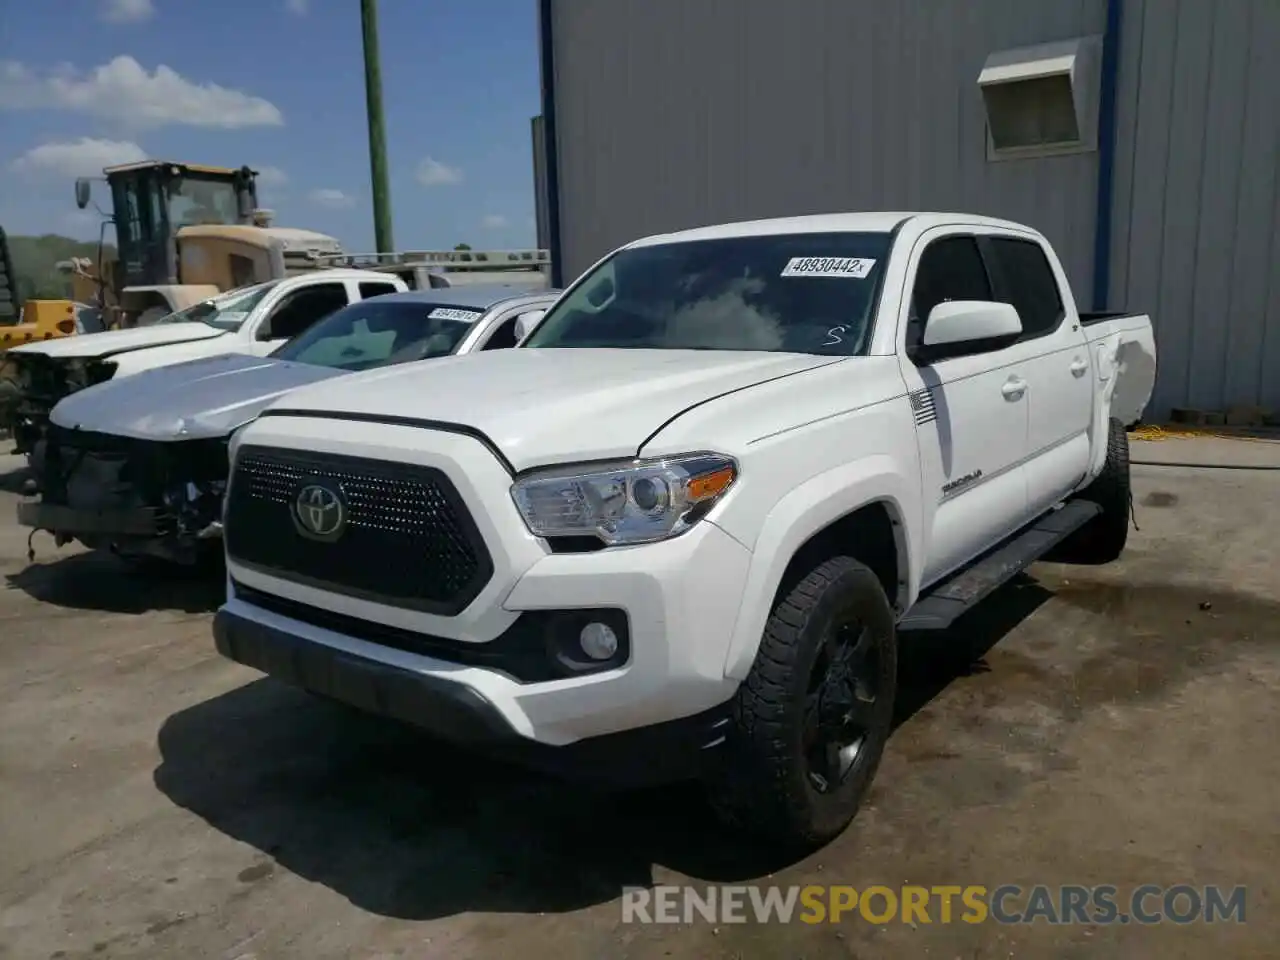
[[798, 517]]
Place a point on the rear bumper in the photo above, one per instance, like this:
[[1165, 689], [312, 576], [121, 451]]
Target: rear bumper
[[457, 713], [140, 523]]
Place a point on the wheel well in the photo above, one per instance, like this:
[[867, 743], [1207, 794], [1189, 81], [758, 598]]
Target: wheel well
[[869, 535]]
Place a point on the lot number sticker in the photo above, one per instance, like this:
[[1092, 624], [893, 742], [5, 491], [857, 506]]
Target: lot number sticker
[[854, 267], [449, 313]]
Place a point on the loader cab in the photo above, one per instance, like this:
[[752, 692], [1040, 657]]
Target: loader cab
[[153, 200]]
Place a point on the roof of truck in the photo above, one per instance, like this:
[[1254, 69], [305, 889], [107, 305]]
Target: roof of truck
[[869, 222], [477, 296]]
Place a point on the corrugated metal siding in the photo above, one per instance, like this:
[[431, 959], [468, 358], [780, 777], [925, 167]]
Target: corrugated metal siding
[[675, 113], [1197, 209]]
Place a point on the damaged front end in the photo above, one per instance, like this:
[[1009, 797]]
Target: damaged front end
[[35, 382], [135, 498]]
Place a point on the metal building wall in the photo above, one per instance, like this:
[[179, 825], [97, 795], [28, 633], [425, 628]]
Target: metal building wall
[[538, 139], [1196, 216], [674, 113]]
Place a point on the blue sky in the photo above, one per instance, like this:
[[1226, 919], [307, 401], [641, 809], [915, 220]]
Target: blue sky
[[279, 85]]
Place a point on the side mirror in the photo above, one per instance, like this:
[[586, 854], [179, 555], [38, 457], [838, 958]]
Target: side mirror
[[82, 192], [957, 327], [526, 322]]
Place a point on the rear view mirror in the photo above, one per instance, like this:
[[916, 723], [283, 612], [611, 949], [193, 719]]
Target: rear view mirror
[[958, 327], [82, 192], [526, 322]]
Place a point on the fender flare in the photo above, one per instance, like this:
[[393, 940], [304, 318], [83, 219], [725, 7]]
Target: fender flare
[[806, 510]]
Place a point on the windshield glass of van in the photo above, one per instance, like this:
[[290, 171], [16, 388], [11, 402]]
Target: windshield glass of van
[[227, 311], [792, 293], [377, 332]]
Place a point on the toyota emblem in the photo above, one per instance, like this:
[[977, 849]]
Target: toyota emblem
[[319, 512]]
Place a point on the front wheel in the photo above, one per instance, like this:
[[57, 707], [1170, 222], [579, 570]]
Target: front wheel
[[812, 718]]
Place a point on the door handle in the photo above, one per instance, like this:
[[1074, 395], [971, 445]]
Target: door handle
[[1079, 367], [1014, 388]]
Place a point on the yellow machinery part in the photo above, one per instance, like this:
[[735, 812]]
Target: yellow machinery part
[[41, 320]]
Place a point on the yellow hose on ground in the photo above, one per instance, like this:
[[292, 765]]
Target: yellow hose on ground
[[1152, 432]]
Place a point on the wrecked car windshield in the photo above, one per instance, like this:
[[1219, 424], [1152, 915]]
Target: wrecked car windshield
[[227, 311], [375, 333], [792, 293]]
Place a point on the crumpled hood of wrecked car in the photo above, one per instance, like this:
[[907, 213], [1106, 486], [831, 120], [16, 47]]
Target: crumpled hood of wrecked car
[[208, 397]]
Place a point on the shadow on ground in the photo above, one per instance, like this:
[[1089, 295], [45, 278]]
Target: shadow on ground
[[98, 581], [11, 481], [405, 827]]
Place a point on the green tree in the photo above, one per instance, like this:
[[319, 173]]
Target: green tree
[[35, 260]]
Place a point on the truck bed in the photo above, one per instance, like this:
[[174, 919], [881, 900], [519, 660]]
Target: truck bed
[[1126, 342]]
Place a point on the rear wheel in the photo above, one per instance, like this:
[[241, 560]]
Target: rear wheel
[[1103, 538], [811, 720]]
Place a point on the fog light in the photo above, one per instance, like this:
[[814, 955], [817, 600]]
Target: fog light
[[598, 641]]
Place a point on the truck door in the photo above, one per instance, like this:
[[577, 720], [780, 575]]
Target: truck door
[[1061, 391], [970, 413]]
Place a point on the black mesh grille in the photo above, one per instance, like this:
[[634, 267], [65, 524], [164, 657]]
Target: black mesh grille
[[409, 540]]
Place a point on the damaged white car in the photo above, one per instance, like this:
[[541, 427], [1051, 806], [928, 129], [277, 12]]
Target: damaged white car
[[138, 466]]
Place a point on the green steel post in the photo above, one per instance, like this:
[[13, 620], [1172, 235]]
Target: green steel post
[[377, 130]]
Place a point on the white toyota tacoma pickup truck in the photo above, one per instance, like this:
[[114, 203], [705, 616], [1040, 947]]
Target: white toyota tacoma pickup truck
[[675, 533]]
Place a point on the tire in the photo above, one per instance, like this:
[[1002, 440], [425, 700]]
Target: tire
[[1103, 538], [765, 782]]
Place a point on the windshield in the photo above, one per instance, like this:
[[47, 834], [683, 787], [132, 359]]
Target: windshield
[[227, 311], [794, 293], [375, 333], [194, 200]]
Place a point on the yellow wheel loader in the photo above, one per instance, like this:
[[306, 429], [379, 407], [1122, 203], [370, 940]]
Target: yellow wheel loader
[[186, 232]]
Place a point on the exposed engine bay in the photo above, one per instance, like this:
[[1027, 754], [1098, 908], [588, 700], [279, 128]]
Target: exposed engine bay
[[36, 382], [134, 498]]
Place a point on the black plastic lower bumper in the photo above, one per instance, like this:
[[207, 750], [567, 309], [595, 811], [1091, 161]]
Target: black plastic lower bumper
[[458, 714], [76, 521]]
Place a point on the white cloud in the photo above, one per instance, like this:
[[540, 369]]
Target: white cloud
[[127, 11], [123, 91], [299, 7], [271, 176], [328, 197], [433, 173], [495, 221], [78, 158]]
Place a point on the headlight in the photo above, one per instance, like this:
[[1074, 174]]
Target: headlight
[[638, 501]]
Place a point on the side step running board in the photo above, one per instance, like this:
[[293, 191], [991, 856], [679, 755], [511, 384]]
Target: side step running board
[[940, 607]]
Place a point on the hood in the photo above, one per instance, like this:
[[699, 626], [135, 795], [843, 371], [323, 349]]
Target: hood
[[118, 341], [209, 397], [549, 406]]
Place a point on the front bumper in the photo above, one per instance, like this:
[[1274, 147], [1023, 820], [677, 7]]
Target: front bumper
[[133, 496], [681, 599], [459, 714]]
